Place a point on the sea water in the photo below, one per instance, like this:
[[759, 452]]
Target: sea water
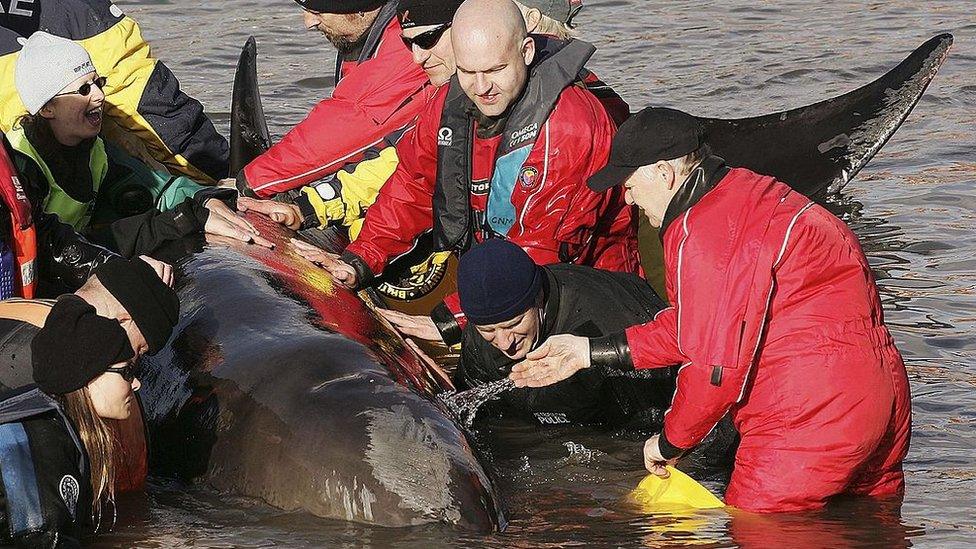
[[463, 405]]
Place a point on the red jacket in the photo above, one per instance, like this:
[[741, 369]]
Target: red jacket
[[373, 99], [776, 319], [553, 206]]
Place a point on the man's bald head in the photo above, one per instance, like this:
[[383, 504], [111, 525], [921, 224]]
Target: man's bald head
[[497, 22], [492, 51]]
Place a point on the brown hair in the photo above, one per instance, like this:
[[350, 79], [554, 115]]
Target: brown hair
[[101, 445]]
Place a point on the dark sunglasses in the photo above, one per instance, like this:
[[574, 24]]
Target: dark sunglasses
[[128, 372], [86, 88], [426, 40]]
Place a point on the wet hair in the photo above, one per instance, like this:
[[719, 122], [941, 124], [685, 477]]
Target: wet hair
[[548, 25], [101, 445]]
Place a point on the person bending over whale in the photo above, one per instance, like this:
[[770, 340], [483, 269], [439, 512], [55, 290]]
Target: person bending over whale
[[776, 320], [60, 439], [502, 151], [68, 170], [342, 199], [513, 305]]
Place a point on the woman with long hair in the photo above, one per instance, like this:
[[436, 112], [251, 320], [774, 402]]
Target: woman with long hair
[[64, 443]]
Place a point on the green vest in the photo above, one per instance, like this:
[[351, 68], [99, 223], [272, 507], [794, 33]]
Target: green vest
[[75, 213]]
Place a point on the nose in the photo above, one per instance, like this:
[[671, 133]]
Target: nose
[[420, 55], [311, 22], [136, 384], [97, 95], [503, 339], [481, 84]]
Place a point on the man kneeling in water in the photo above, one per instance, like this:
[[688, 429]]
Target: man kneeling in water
[[513, 305]]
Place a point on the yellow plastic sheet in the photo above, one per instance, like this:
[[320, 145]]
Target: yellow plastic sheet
[[677, 492]]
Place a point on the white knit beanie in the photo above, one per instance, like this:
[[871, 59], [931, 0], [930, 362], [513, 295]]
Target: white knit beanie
[[47, 64]]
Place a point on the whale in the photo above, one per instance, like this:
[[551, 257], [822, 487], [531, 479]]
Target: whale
[[280, 385]]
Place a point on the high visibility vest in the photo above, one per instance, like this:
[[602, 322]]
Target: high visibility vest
[[74, 213]]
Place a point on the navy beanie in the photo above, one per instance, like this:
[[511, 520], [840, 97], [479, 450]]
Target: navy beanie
[[340, 6], [497, 281]]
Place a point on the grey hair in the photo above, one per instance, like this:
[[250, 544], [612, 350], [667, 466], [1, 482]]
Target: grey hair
[[686, 163], [548, 25]]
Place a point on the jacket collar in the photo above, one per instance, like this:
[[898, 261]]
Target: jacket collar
[[702, 179]]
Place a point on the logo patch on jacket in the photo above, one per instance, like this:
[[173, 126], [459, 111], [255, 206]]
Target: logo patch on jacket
[[445, 137], [529, 177], [69, 490]]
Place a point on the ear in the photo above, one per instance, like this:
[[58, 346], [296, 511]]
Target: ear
[[666, 172], [528, 50], [532, 19], [47, 111]]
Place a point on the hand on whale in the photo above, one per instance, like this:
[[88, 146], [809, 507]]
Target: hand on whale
[[339, 269], [284, 214], [223, 221], [419, 326]]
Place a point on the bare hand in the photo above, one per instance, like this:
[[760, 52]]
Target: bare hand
[[557, 359], [339, 269], [654, 462], [288, 215], [223, 221], [163, 270], [420, 326], [227, 182]]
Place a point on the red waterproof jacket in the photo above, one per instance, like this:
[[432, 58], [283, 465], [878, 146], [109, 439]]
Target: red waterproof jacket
[[374, 98], [776, 319], [553, 206]]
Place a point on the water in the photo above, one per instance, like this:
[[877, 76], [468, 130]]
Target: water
[[913, 207], [463, 406]]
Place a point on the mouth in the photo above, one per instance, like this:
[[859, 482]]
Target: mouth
[[488, 98], [94, 116]]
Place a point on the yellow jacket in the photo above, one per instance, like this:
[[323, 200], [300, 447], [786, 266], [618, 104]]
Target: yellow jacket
[[142, 96]]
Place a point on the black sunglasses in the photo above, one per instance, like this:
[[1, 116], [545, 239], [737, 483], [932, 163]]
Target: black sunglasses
[[426, 40], [86, 88], [128, 372]]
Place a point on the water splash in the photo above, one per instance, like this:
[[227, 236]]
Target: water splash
[[463, 406]]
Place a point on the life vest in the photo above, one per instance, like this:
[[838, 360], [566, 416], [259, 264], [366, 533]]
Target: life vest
[[558, 65], [22, 227], [70, 211]]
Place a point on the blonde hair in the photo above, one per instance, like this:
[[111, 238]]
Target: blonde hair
[[101, 445], [548, 25]]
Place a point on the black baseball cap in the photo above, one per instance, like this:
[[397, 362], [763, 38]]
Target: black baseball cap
[[652, 135]]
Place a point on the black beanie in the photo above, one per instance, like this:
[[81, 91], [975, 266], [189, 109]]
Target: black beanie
[[497, 281], [75, 346], [153, 305], [340, 6], [420, 13]]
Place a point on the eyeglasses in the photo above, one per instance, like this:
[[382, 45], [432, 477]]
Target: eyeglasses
[[128, 372], [86, 88], [426, 40]]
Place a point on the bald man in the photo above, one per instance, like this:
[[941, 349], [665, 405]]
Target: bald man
[[503, 151]]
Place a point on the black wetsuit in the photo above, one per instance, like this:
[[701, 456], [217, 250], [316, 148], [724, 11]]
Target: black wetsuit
[[45, 493], [585, 302]]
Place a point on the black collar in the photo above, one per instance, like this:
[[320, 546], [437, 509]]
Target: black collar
[[702, 179]]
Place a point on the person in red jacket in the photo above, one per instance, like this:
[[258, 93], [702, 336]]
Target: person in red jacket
[[378, 92], [776, 320], [502, 151]]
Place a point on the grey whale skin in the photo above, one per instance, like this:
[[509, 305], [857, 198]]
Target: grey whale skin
[[279, 386]]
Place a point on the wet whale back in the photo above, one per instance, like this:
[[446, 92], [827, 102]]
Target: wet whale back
[[279, 386]]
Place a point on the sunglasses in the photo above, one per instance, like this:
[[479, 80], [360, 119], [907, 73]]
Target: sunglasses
[[128, 372], [426, 40], [86, 88]]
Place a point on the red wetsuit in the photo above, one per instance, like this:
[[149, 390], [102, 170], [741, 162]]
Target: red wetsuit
[[374, 99], [553, 206], [776, 319]]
